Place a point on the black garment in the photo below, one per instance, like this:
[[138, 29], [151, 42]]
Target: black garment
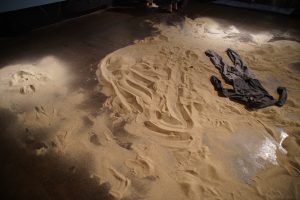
[[246, 88]]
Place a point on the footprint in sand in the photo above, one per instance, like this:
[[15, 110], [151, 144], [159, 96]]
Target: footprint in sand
[[120, 184], [164, 38], [40, 110], [195, 186], [27, 89], [295, 67], [141, 167], [221, 123], [94, 139], [192, 56]]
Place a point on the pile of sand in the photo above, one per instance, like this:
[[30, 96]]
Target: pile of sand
[[188, 141], [28, 83]]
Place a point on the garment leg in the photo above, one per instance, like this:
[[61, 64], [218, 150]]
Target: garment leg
[[235, 58], [225, 70], [239, 64]]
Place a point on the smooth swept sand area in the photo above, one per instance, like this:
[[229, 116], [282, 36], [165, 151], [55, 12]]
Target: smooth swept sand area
[[118, 105]]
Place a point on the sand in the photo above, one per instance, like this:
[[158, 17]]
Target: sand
[[163, 132]]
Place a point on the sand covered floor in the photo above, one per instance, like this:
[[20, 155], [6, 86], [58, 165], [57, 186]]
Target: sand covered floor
[[163, 132]]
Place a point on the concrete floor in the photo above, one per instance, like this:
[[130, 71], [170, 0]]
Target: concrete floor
[[82, 43]]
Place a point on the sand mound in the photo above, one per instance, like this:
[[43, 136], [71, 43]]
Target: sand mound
[[199, 145], [32, 83]]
